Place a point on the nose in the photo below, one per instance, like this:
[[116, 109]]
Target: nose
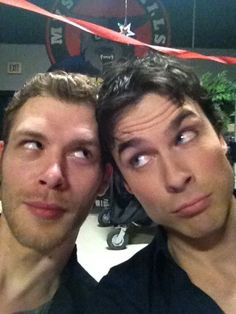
[[53, 176], [177, 175]]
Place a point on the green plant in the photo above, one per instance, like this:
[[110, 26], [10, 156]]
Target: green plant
[[223, 92]]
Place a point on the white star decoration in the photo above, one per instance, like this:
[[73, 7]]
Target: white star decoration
[[125, 30]]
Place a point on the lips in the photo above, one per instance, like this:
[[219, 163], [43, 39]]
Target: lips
[[193, 207], [44, 210]]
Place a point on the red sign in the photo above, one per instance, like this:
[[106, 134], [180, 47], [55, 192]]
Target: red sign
[[146, 19]]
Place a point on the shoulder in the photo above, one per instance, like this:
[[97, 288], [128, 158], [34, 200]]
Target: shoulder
[[75, 288], [140, 260], [77, 280], [120, 290]]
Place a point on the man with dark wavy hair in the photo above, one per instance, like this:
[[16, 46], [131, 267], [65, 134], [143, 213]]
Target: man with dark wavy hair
[[163, 134], [51, 173]]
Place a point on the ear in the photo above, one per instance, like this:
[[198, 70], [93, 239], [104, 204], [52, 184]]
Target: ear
[[1, 148], [223, 143], [1, 154], [106, 180], [128, 188]]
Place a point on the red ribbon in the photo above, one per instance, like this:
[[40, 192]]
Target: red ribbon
[[113, 35]]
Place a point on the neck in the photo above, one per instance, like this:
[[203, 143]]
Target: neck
[[29, 278]]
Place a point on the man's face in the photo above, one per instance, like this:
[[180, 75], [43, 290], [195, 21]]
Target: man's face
[[174, 163], [51, 172]]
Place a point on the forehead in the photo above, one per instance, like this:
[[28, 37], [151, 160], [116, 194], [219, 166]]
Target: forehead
[[53, 116], [153, 111]]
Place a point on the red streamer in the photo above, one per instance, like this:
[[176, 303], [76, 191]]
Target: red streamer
[[113, 35]]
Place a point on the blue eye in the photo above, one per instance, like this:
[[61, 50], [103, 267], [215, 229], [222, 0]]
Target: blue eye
[[139, 161], [185, 137], [33, 145], [82, 154]]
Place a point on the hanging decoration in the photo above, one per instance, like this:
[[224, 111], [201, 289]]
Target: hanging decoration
[[125, 28]]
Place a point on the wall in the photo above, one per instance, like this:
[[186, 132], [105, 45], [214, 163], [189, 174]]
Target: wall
[[203, 66], [34, 59]]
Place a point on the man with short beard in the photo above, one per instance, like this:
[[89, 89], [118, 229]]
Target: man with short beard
[[51, 173]]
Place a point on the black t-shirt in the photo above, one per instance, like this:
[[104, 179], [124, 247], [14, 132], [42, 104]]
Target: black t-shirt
[[74, 291], [150, 282]]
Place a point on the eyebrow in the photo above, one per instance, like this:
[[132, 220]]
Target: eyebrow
[[174, 124], [131, 143], [91, 142], [80, 141], [29, 133]]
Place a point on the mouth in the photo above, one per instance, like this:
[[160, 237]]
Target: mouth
[[194, 207], [46, 211]]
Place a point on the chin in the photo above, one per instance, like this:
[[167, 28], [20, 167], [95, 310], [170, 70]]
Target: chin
[[205, 238], [42, 246], [199, 233], [42, 240]]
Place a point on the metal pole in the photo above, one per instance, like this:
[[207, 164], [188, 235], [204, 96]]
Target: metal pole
[[234, 137], [126, 13], [235, 116], [194, 23]]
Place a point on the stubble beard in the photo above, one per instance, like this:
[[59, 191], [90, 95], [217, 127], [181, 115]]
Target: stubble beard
[[42, 239]]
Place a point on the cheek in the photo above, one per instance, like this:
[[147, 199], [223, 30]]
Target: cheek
[[147, 189], [155, 203], [86, 181], [212, 171], [211, 161], [13, 173]]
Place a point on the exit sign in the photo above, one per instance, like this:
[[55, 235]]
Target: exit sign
[[14, 68]]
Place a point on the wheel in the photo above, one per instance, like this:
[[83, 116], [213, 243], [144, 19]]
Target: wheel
[[118, 239], [104, 218]]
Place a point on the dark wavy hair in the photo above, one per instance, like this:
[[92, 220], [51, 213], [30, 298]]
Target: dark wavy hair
[[125, 84]]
